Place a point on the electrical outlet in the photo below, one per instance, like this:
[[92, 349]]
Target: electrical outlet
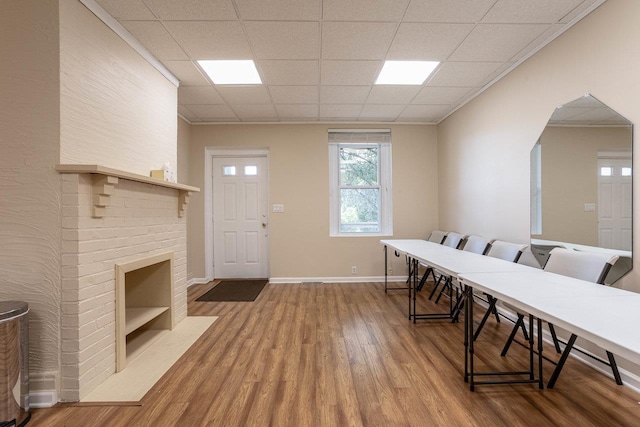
[[390, 271], [354, 270]]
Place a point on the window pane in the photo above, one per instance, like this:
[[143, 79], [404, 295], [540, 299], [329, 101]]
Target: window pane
[[228, 170], [626, 171], [360, 210], [251, 170], [358, 166], [606, 171]]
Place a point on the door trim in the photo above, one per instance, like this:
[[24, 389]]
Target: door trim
[[209, 154]]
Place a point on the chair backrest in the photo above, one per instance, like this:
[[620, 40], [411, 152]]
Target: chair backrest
[[507, 251], [476, 244], [453, 240], [437, 236], [589, 266]]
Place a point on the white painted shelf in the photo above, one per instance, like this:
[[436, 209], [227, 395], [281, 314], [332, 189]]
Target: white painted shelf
[[139, 316]]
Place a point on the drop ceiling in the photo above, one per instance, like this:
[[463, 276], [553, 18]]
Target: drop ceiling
[[318, 59]]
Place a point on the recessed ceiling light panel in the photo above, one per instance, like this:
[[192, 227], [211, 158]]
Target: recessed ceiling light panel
[[231, 72], [405, 72]]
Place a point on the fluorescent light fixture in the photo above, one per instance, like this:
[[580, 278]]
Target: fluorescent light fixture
[[231, 72], [405, 72]]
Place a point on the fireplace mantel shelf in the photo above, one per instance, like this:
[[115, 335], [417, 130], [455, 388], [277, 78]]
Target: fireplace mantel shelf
[[105, 178]]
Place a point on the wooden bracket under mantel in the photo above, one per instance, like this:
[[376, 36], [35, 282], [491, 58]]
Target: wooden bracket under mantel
[[105, 179]]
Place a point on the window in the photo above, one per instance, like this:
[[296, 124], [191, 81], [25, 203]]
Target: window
[[360, 183], [251, 170], [228, 170], [606, 171], [626, 171]]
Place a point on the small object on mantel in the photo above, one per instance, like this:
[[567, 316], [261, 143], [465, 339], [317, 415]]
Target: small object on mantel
[[159, 174]]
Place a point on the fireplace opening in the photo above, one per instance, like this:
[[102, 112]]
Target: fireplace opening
[[144, 305]]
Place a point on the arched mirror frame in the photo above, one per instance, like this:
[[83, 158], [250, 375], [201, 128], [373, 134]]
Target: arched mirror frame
[[581, 138]]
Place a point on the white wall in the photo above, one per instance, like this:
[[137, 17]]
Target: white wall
[[116, 110]]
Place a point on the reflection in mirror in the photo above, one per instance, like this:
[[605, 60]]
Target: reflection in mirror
[[581, 186]]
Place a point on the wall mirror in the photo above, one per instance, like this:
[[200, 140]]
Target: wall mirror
[[581, 183]]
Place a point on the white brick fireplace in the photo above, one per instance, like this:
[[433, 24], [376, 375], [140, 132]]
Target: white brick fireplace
[[111, 218]]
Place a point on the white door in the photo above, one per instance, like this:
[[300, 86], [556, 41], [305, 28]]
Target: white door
[[240, 227], [614, 203]]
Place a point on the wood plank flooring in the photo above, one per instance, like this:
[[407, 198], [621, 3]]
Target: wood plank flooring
[[346, 355]]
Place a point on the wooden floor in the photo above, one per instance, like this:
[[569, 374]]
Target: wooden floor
[[346, 355]]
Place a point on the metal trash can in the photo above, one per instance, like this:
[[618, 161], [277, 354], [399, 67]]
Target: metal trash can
[[14, 364]]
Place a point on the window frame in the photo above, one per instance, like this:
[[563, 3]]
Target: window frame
[[385, 214]]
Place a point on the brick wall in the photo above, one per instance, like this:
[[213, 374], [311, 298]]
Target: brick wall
[[141, 220]]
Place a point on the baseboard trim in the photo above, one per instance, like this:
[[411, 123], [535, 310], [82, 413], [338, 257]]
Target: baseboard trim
[[347, 279], [198, 281], [43, 399]]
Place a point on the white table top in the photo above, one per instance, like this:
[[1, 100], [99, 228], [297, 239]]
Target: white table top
[[604, 315], [452, 262]]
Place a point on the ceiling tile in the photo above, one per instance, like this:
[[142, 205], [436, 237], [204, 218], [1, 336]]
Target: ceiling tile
[[155, 38], [187, 72], [255, 112], [344, 94], [294, 94], [254, 94], [356, 40], [211, 39], [496, 42], [440, 95], [187, 114], [350, 73], [427, 113], [341, 111], [463, 74], [363, 10], [213, 112], [284, 40], [192, 9], [288, 111], [430, 42], [127, 9], [529, 11], [279, 10], [283, 72], [381, 111], [447, 10], [198, 95], [392, 94]]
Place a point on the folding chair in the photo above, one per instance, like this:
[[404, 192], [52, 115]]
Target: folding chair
[[510, 252], [588, 266]]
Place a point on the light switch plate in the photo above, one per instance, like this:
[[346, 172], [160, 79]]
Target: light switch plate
[[589, 207], [278, 208]]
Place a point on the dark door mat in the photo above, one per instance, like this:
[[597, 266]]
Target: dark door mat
[[235, 290]]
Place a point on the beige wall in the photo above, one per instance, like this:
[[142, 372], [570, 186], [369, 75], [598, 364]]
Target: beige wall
[[570, 179], [300, 246], [184, 169], [29, 186], [485, 145], [116, 110]]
